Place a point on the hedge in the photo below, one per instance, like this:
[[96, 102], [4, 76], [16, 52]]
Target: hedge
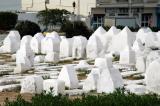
[[27, 28], [76, 28], [118, 98], [8, 20]]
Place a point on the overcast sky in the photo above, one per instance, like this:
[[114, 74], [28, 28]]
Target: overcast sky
[[10, 5]]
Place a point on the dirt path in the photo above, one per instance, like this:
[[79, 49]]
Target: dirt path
[[12, 96]]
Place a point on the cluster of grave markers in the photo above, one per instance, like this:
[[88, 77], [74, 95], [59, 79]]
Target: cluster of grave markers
[[140, 49]]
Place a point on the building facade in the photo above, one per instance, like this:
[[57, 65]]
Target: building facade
[[83, 7], [132, 13]]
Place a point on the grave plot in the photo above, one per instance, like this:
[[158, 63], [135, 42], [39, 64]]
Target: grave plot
[[106, 61]]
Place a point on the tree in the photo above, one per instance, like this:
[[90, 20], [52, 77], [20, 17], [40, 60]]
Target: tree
[[52, 17], [8, 20], [76, 28], [27, 28]]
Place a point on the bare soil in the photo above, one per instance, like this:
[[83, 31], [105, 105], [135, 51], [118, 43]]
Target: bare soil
[[12, 96]]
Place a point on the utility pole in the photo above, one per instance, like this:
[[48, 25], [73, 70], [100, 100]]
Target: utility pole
[[130, 8], [60, 2], [74, 6], [46, 2], [46, 9], [78, 9]]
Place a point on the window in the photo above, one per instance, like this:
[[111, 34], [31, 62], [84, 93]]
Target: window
[[110, 11], [146, 20], [123, 11], [97, 20]]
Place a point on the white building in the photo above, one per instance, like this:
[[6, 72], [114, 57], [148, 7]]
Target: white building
[[83, 7]]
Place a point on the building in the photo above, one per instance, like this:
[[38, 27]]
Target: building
[[81, 11], [132, 13], [10, 5], [83, 7]]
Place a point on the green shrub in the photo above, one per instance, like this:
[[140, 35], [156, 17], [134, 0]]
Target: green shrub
[[27, 28], [76, 28], [155, 29], [52, 17], [118, 98], [8, 20]]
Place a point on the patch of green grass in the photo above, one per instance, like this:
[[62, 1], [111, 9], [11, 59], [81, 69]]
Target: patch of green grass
[[118, 98]]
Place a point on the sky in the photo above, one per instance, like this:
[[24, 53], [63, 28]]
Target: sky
[[10, 5]]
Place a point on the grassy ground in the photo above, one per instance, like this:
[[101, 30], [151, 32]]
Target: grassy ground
[[118, 98]]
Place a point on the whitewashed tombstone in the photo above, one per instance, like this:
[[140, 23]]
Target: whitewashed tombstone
[[43, 45], [123, 39], [153, 55], [32, 84], [102, 63], [113, 31], [24, 56], [69, 76], [99, 31], [110, 55], [11, 43], [96, 71], [127, 56], [91, 82], [110, 78], [23, 64], [94, 47], [83, 65], [54, 86], [54, 35], [52, 57], [109, 81], [141, 34], [39, 59], [25, 49], [52, 45], [13, 57], [151, 40], [36, 43], [107, 37], [66, 47], [63, 37], [136, 89], [100, 34], [141, 64], [152, 76], [79, 47], [138, 46], [97, 40]]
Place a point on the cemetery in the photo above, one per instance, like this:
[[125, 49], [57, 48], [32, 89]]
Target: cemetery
[[107, 61]]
